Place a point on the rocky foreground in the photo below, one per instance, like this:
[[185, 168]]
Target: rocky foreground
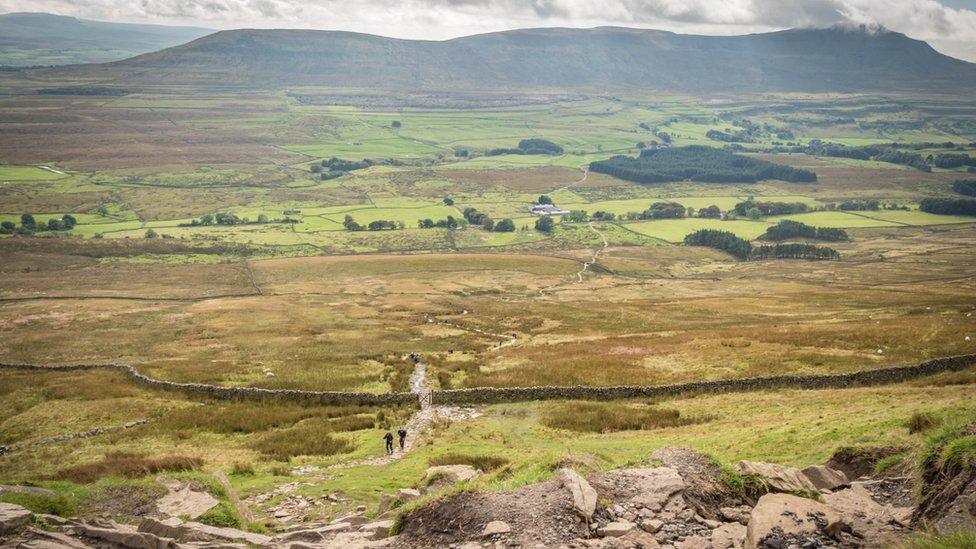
[[677, 502]]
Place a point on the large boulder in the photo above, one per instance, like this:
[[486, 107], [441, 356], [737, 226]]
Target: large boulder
[[195, 531], [656, 486], [788, 518], [825, 478], [405, 495], [869, 520], [126, 536], [729, 535], [780, 478], [182, 501], [376, 530], [13, 518], [584, 496], [451, 474]]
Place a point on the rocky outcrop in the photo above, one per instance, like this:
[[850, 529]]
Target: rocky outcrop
[[440, 476], [13, 518], [825, 478], [194, 531], [182, 501], [779, 478], [779, 520]]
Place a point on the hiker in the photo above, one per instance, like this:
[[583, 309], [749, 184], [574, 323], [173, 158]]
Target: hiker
[[388, 437], [402, 433]]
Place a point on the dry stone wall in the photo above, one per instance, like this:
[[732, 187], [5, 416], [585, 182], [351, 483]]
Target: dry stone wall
[[215, 391], [487, 395], [882, 376]]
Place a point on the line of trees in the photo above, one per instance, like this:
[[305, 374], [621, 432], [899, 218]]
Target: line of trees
[[529, 146], [753, 209], [697, 163], [721, 240], [378, 225], [229, 219], [337, 167], [948, 206], [743, 249], [30, 225], [889, 152], [793, 250], [787, 229], [965, 186]]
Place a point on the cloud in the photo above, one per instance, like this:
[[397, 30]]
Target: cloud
[[953, 28]]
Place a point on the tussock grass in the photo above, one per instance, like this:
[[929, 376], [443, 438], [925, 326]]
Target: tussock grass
[[600, 417], [127, 465], [251, 417], [484, 463], [920, 422], [311, 438], [962, 539]]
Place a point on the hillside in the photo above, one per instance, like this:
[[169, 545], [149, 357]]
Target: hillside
[[836, 59], [45, 39]]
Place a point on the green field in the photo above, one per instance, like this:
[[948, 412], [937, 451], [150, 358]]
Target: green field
[[28, 173]]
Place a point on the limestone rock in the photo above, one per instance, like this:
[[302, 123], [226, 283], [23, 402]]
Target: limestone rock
[[407, 494], [377, 530], [780, 478], [730, 535], [127, 537], [453, 474], [651, 525], [961, 512], [336, 527], [13, 518], [181, 501], [825, 478], [195, 531], [584, 496], [778, 515], [496, 527], [616, 529], [42, 539], [654, 486], [736, 514], [692, 542]]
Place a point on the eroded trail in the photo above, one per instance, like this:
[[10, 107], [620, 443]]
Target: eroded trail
[[586, 264], [419, 423]]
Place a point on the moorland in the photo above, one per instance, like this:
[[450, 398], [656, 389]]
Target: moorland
[[312, 237]]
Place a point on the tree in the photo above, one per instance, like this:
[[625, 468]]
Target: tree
[[575, 216], [28, 222], [262, 218], [664, 210], [396, 124], [69, 221], [350, 224], [9, 225], [151, 233], [55, 225], [448, 201], [544, 199], [711, 212], [544, 224], [103, 210], [721, 240], [505, 226], [426, 223], [461, 153], [316, 168], [206, 219]]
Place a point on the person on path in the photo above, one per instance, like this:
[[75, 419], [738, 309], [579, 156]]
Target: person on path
[[403, 437], [388, 437]]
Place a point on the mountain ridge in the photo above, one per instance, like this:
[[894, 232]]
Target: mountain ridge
[[36, 38], [608, 58]]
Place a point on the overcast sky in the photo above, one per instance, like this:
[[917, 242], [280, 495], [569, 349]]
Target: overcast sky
[[949, 25]]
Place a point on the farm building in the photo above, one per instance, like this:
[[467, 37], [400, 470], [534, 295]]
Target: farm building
[[547, 209]]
